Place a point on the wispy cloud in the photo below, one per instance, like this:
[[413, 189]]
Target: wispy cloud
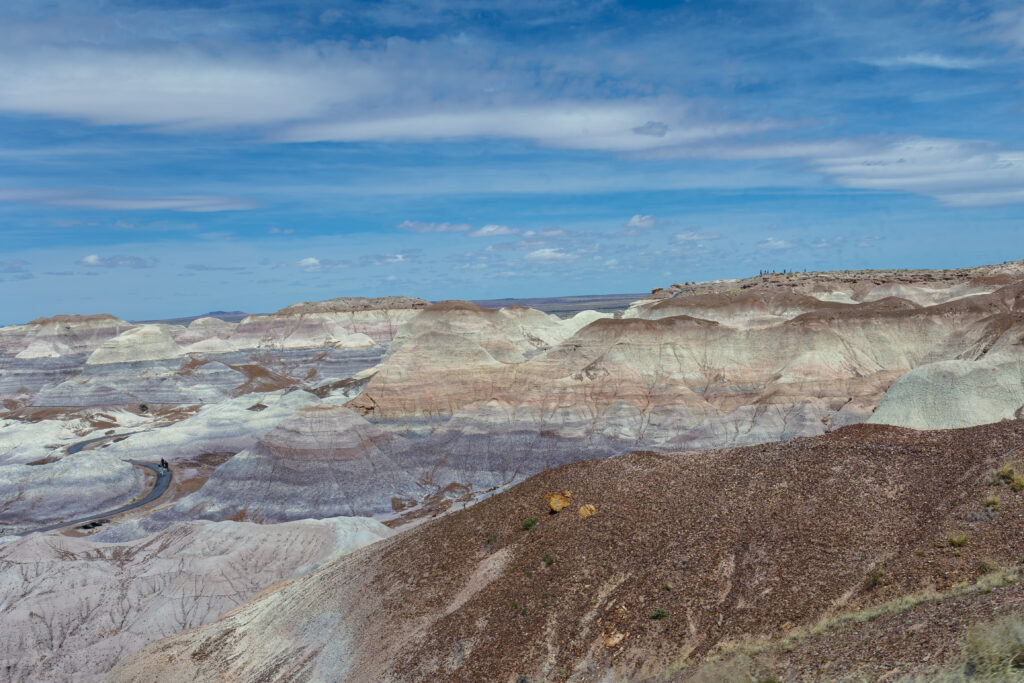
[[957, 172], [596, 125], [312, 264], [97, 261], [417, 226], [549, 255], [12, 266], [929, 60], [202, 267], [494, 231], [641, 221], [774, 244], [697, 236], [77, 200]]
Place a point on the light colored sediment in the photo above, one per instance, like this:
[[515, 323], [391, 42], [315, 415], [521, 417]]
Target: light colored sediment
[[71, 607]]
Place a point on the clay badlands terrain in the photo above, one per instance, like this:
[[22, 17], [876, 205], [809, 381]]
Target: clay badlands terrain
[[791, 477]]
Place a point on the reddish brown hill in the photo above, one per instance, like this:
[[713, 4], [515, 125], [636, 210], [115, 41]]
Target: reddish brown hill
[[721, 545]]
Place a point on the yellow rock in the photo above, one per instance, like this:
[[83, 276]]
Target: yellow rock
[[614, 639], [557, 501], [587, 510]]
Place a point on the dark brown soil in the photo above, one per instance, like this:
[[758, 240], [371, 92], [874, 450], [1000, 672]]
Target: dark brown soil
[[729, 544]]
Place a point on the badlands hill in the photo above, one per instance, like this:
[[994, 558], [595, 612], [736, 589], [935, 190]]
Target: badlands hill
[[400, 412], [684, 555]]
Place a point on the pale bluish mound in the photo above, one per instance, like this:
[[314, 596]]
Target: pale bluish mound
[[954, 393]]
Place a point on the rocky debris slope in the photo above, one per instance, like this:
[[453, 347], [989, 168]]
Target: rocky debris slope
[[681, 554], [920, 287], [71, 607]]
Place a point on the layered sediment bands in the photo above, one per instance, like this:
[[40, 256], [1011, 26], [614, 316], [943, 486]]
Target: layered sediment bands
[[677, 379], [509, 335], [721, 546], [157, 381], [144, 343], [227, 427], [741, 308], [347, 322], [76, 485], [322, 458], [191, 379], [61, 335], [71, 607]]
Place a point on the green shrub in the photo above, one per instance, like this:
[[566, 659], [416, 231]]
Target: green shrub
[[992, 502], [529, 523], [958, 541], [548, 560], [1009, 476], [659, 613], [877, 578]]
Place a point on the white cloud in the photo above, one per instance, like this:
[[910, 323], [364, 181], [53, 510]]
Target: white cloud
[[73, 199], [697, 236], [930, 60], [280, 231], [956, 172], [641, 221], [825, 243], [548, 255], [182, 89], [417, 226], [598, 125], [773, 244], [309, 264], [97, 261], [494, 230]]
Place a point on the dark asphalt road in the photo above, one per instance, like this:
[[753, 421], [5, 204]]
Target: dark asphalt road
[[163, 480]]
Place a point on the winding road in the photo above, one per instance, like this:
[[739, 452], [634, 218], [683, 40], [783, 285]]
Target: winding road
[[163, 480]]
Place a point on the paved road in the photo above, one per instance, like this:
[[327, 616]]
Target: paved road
[[163, 480]]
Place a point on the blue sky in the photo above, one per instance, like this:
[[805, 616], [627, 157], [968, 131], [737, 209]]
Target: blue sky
[[165, 159]]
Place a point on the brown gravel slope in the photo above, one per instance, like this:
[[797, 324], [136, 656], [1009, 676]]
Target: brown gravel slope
[[726, 545]]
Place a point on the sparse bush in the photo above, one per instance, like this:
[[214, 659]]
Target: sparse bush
[[529, 523], [988, 566], [490, 539], [659, 613], [995, 651], [668, 585], [877, 578], [1009, 476], [958, 541], [992, 502], [547, 559]]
